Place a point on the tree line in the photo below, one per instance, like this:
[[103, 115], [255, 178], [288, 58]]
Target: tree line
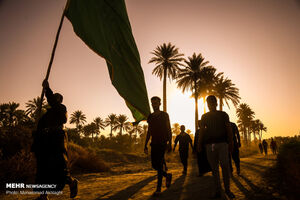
[[193, 74]]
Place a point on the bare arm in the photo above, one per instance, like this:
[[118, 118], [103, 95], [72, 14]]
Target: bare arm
[[146, 142], [176, 141], [169, 130], [49, 94]]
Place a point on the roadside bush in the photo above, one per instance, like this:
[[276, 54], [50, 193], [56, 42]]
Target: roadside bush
[[19, 168], [83, 160], [288, 164], [246, 151]]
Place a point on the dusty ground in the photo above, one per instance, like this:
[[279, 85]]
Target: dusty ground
[[138, 182]]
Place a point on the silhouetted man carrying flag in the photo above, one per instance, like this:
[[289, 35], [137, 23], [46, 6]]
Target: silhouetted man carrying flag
[[50, 147], [184, 140], [159, 130], [218, 140]]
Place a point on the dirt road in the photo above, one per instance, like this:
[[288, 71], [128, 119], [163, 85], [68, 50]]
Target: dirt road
[[140, 185]]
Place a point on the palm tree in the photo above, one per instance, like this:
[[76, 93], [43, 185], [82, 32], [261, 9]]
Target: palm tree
[[137, 129], [188, 77], [100, 124], [89, 129], [175, 130], [168, 60], [245, 116], [205, 84], [10, 114], [111, 121], [144, 133], [226, 91], [254, 127], [261, 128], [32, 107], [78, 118], [122, 123]]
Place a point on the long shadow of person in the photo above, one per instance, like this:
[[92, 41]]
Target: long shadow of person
[[198, 187], [174, 192], [129, 191]]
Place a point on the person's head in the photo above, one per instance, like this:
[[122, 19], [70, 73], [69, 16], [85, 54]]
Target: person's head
[[182, 128], [155, 102], [212, 102], [58, 97]]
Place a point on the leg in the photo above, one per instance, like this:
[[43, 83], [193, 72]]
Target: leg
[[224, 161], [183, 158], [157, 159], [212, 157], [236, 159], [230, 161]]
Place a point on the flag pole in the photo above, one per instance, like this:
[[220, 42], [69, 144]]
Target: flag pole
[[50, 62]]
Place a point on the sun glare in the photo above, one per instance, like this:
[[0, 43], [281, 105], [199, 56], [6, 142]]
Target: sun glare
[[181, 108]]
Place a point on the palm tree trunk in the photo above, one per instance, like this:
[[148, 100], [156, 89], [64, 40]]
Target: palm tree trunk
[[196, 106], [221, 104], [260, 135], [165, 91], [204, 101], [245, 135], [249, 135], [111, 131]]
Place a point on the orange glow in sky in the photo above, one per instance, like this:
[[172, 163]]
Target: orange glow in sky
[[255, 43]]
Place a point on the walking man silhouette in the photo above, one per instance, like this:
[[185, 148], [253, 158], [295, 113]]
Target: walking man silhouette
[[235, 155], [260, 146], [202, 162], [159, 130], [273, 146], [50, 147], [184, 140], [218, 140], [265, 146]]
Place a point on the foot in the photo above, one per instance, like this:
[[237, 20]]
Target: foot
[[157, 192], [168, 180], [230, 194], [73, 188], [238, 171]]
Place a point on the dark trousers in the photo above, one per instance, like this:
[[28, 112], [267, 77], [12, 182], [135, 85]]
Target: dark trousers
[[218, 154], [184, 154], [50, 149], [235, 155], [266, 150], [157, 160]]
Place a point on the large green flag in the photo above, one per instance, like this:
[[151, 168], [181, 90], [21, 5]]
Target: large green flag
[[104, 26]]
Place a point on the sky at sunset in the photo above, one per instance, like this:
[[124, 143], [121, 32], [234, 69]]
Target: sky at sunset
[[256, 43]]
